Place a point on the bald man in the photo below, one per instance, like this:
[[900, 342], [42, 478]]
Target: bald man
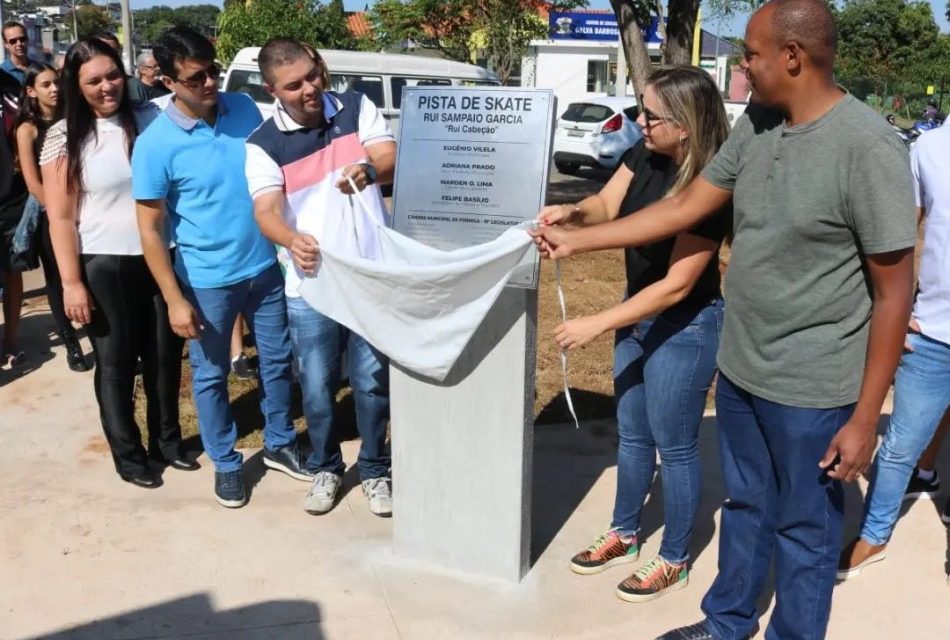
[[818, 297]]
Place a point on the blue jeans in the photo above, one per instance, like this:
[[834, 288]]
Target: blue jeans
[[921, 395], [778, 503], [663, 368], [261, 301], [319, 343]]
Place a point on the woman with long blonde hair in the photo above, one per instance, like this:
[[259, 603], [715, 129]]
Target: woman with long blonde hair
[[667, 328]]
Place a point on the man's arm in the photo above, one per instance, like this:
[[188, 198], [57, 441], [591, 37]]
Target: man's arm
[[382, 155], [892, 281], [659, 221], [181, 315], [269, 214]]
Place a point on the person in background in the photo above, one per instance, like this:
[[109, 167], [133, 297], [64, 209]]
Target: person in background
[[189, 166], [148, 85], [240, 365], [922, 383], [13, 197], [345, 135], [16, 42], [36, 115], [667, 328], [87, 185]]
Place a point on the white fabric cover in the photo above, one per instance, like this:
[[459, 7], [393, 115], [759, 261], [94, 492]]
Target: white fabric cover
[[418, 305]]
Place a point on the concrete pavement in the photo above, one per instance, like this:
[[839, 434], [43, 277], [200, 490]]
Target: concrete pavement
[[86, 556]]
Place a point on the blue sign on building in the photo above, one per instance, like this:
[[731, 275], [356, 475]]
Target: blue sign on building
[[602, 27]]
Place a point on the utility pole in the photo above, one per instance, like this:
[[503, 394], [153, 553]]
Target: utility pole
[[128, 57], [3, 20]]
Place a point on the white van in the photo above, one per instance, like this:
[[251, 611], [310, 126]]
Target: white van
[[380, 76]]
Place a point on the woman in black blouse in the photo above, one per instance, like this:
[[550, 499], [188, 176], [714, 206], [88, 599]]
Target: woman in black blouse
[[667, 328]]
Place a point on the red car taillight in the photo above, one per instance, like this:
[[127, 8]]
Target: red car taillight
[[613, 124]]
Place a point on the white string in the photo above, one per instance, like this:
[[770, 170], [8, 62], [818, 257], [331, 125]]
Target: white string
[[563, 304]]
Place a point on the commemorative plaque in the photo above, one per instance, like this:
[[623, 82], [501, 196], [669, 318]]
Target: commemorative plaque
[[471, 163]]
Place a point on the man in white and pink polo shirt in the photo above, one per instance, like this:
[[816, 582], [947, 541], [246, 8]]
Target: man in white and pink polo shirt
[[298, 163]]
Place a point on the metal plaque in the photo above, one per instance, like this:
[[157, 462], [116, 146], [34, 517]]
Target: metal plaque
[[471, 163]]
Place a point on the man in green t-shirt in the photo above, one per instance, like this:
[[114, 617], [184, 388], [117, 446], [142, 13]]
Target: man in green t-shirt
[[817, 296]]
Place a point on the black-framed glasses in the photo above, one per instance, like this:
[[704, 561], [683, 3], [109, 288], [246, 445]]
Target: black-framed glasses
[[22, 39], [200, 78], [651, 119]]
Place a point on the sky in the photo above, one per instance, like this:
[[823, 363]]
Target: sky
[[733, 26]]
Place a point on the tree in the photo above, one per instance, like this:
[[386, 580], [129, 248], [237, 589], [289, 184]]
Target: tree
[[92, 19], [151, 22], [463, 29], [252, 23], [883, 41], [635, 16]]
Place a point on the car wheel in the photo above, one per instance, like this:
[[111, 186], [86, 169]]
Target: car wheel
[[567, 168]]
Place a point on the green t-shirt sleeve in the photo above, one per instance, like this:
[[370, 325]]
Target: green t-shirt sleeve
[[881, 197], [723, 169]]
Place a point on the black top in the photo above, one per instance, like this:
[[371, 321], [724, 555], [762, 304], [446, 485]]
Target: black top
[[653, 175], [13, 191]]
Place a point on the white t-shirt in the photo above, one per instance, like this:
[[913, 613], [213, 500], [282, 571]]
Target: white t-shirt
[[106, 218], [930, 163]]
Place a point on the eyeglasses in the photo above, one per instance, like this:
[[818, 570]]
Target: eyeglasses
[[22, 39], [651, 118], [197, 80], [152, 67]]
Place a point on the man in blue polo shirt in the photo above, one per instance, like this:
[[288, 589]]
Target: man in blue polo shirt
[[298, 165], [190, 161]]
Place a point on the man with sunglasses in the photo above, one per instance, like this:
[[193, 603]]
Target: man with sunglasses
[[190, 163], [15, 41]]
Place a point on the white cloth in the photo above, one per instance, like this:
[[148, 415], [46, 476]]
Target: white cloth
[[930, 163], [106, 221], [418, 305]]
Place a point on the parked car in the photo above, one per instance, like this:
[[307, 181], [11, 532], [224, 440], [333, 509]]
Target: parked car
[[595, 133]]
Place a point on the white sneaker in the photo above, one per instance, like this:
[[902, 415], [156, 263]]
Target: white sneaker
[[322, 494], [380, 495]]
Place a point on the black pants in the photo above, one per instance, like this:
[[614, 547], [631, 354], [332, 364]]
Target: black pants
[[54, 286], [131, 322]]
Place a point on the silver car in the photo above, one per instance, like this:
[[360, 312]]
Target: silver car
[[595, 133]]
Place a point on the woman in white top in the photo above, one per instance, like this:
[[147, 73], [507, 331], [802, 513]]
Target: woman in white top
[[107, 286]]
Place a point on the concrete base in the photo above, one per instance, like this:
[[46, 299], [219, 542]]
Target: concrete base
[[462, 450]]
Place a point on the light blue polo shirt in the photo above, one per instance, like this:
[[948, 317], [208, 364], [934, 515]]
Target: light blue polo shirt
[[199, 171]]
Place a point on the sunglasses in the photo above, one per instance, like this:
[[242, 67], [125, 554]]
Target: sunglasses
[[200, 78], [22, 39], [651, 118]]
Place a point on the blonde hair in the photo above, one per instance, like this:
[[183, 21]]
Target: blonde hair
[[689, 97]]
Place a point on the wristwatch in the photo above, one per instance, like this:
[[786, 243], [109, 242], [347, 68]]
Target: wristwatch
[[370, 173]]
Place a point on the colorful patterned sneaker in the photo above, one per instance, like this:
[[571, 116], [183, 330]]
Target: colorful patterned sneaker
[[920, 489], [607, 550], [654, 579]]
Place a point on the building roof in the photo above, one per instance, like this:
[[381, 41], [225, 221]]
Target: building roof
[[358, 24]]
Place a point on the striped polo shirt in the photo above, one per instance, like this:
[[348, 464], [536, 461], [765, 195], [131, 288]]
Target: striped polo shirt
[[305, 164]]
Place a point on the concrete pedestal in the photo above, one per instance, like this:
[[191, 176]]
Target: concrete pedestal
[[462, 449]]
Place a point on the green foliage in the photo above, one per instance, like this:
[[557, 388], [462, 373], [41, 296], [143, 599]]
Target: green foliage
[[465, 30], [152, 22], [252, 24], [92, 19]]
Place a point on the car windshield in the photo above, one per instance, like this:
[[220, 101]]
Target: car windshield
[[587, 112]]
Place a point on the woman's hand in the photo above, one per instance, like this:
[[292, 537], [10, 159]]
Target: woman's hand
[[579, 332], [553, 242], [559, 214], [912, 327], [78, 303]]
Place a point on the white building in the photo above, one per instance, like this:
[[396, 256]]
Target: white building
[[580, 58]]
